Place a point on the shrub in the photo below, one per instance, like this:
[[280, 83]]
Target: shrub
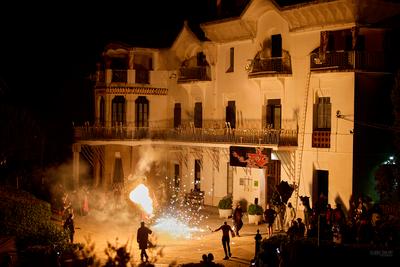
[[28, 219], [225, 203], [255, 209]]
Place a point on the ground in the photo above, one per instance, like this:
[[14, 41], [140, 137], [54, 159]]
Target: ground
[[121, 227]]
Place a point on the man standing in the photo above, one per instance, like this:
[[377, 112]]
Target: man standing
[[269, 217], [143, 238], [69, 227], [226, 228], [237, 218]]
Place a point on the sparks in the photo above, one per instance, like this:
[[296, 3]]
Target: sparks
[[175, 227]]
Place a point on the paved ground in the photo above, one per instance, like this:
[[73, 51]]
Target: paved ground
[[104, 227]]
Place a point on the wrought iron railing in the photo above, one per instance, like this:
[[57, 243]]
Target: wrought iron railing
[[194, 74], [189, 134], [350, 60], [273, 65], [321, 139]]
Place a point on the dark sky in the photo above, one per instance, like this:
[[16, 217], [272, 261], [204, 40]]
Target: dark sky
[[47, 51]]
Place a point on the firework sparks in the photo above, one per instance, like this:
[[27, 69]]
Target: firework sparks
[[175, 227]]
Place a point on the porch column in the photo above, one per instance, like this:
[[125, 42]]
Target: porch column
[[76, 149]]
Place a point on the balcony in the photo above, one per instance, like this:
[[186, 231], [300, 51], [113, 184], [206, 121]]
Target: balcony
[[350, 60], [188, 134], [321, 139], [188, 74], [269, 66]]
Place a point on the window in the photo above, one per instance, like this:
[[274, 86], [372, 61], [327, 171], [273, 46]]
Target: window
[[231, 60], [198, 115], [177, 115], [118, 110], [142, 111], [322, 123], [322, 114], [274, 113], [197, 167], [230, 114], [102, 112]]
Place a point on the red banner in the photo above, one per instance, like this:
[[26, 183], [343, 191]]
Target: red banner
[[250, 157]]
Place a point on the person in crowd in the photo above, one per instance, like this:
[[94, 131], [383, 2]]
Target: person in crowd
[[290, 215], [301, 228], [280, 214], [237, 218], [69, 227], [143, 239], [269, 217], [226, 229]]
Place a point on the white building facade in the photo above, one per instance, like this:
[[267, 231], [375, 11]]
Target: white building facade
[[296, 82]]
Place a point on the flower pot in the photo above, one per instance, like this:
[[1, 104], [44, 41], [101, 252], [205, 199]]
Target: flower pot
[[225, 213], [256, 219]]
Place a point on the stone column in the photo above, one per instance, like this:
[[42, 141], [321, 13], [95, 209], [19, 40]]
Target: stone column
[[76, 149]]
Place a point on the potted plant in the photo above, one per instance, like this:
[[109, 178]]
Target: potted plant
[[255, 213], [225, 207]]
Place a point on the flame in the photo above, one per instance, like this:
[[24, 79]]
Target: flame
[[140, 195]]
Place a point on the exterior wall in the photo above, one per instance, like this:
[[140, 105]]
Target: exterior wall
[[337, 159]]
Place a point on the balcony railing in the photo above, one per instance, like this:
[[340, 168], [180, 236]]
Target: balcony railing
[[194, 74], [350, 60], [321, 139], [200, 135], [267, 66]]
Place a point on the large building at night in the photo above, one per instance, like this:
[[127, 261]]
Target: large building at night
[[295, 93]]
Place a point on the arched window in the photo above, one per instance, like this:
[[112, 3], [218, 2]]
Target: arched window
[[118, 110], [142, 112]]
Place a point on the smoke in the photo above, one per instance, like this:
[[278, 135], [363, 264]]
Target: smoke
[[148, 156]]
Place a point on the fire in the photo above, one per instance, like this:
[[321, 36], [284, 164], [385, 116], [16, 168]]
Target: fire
[[177, 220], [140, 195]]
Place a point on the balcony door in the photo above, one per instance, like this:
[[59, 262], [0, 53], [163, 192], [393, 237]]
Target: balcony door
[[198, 115], [230, 114], [118, 110], [274, 113], [177, 115], [276, 45], [142, 112], [197, 175]]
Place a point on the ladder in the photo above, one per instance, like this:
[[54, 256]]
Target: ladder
[[301, 132]]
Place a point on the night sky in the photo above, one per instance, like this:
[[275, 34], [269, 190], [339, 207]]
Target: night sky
[[48, 51]]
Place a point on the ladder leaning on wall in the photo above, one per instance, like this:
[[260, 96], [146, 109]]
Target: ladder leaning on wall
[[300, 145]]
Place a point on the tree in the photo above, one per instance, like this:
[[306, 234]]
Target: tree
[[388, 183]]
